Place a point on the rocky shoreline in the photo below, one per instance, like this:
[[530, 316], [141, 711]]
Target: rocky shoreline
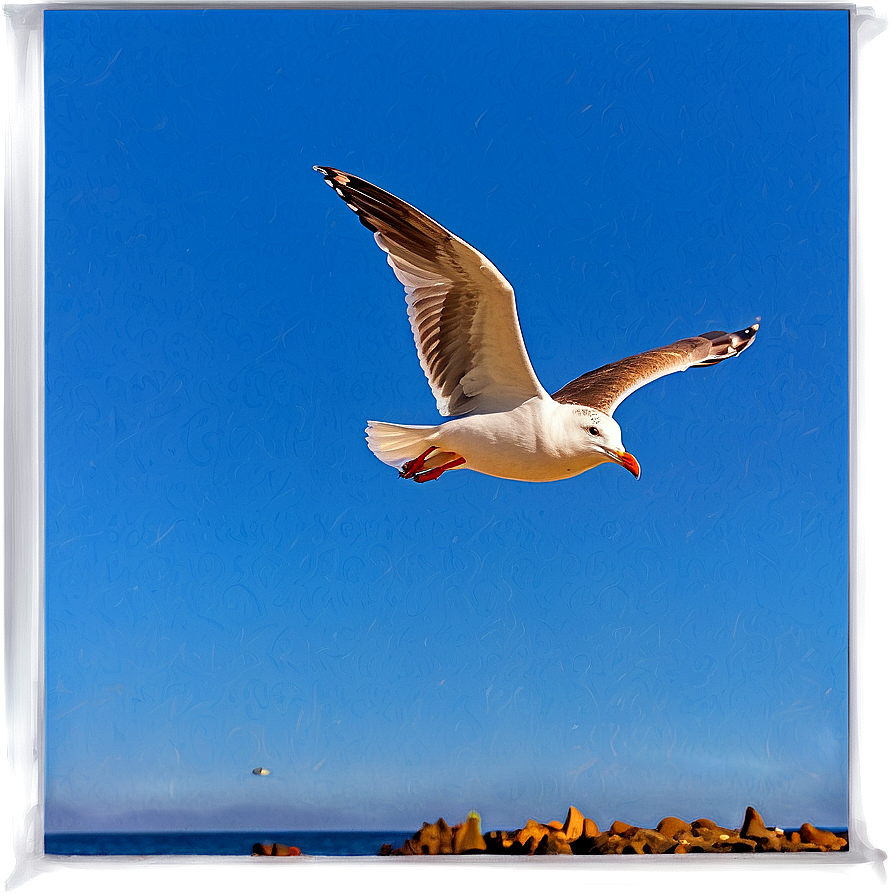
[[579, 835]]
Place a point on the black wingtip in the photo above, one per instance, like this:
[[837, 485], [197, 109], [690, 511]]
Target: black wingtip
[[330, 174], [747, 336]]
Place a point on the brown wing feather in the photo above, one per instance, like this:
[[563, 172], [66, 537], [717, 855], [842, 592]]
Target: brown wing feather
[[604, 388], [462, 310]]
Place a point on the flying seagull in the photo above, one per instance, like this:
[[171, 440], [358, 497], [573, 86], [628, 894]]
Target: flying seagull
[[463, 314]]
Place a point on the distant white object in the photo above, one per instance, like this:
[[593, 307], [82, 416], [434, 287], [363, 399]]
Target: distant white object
[[463, 314], [261, 771]]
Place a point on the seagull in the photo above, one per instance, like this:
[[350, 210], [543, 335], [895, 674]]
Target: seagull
[[463, 316]]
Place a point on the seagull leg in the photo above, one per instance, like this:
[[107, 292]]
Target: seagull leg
[[412, 467], [435, 472]]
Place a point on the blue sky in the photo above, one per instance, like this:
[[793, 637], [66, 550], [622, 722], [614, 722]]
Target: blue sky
[[234, 580]]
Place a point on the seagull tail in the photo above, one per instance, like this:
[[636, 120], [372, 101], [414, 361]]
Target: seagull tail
[[727, 345], [395, 444]]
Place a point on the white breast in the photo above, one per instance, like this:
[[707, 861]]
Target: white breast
[[535, 442]]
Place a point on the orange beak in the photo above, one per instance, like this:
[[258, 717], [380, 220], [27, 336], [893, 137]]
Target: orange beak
[[629, 461]]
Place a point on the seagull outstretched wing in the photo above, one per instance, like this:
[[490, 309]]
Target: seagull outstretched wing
[[462, 310], [604, 388]]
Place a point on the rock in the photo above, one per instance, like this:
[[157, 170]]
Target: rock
[[385, 850], [585, 845], [753, 825], [497, 842], [772, 843], [606, 843], [261, 849], [574, 825], [517, 849], [532, 829], [721, 839], [441, 840], [530, 845], [445, 838], [825, 839], [673, 827], [739, 844], [281, 849], [709, 826], [754, 828], [580, 836], [468, 837], [553, 844], [613, 845], [648, 842], [431, 840]]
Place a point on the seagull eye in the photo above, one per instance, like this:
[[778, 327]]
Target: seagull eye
[[594, 430]]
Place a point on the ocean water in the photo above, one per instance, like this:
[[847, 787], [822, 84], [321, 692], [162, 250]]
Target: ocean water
[[220, 843]]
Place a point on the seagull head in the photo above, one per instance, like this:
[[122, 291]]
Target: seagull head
[[604, 437]]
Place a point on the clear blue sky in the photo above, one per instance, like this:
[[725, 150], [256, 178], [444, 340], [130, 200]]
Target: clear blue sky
[[234, 580]]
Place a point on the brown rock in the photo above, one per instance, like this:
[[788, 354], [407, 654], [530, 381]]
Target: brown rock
[[787, 845], [468, 837], [614, 844], [623, 829], [601, 844], [692, 843], [590, 828], [826, 839], [554, 844], [261, 849], [673, 827], [706, 827], [498, 842], [733, 842], [535, 832], [446, 838], [435, 839], [556, 825], [408, 848], [515, 848], [739, 844], [574, 825], [753, 825], [502, 843], [531, 844], [585, 845], [281, 849], [721, 839], [431, 840], [648, 842], [385, 850]]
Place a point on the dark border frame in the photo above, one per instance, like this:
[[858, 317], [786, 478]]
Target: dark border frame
[[867, 867]]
